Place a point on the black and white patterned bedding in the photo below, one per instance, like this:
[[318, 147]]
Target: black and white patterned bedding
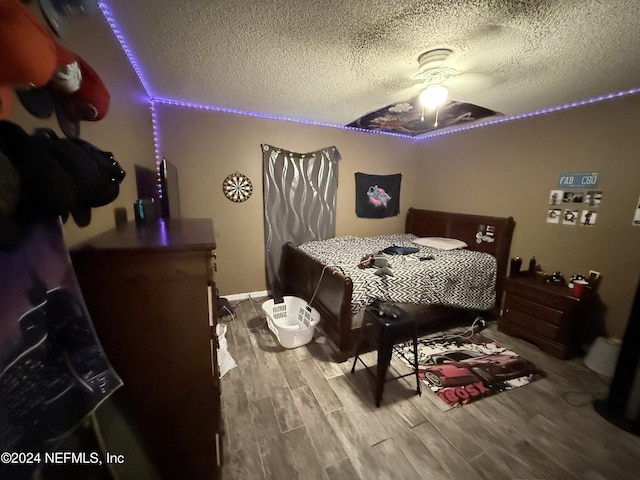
[[458, 278]]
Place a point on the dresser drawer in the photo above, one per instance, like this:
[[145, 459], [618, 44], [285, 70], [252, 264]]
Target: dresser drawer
[[534, 324], [553, 296], [533, 309], [557, 349]]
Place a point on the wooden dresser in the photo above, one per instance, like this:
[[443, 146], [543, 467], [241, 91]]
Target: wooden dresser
[[148, 290], [545, 314]]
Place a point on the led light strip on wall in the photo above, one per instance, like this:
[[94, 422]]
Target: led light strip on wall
[[156, 146], [106, 11]]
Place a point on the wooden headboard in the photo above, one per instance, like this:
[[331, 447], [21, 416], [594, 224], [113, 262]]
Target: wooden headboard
[[482, 233]]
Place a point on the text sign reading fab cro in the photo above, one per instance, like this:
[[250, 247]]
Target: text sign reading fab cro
[[578, 180]]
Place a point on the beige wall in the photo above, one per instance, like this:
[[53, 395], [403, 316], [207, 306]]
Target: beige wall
[[207, 146], [509, 170], [126, 130], [505, 170]]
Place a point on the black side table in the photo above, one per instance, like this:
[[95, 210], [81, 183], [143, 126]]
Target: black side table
[[390, 331]]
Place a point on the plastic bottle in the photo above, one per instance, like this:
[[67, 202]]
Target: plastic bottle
[[532, 266], [516, 264]]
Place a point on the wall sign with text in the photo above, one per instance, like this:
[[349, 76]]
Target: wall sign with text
[[577, 200], [578, 180]]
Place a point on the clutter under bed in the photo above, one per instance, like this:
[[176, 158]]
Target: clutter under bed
[[341, 280]]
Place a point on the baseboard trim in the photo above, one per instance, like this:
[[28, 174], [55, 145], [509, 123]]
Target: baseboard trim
[[243, 296]]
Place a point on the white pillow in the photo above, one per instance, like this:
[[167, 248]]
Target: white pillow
[[441, 243]]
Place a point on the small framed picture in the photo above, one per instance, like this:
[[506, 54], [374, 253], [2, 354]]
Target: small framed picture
[[553, 215], [555, 197], [588, 217], [570, 217], [573, 197], [593, 199], [636, 216]]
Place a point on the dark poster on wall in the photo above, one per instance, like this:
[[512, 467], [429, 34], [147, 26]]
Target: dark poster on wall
[[53, 371], [377, 196]]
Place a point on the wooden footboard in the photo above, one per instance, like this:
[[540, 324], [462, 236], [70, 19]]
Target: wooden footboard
[[302, 275]]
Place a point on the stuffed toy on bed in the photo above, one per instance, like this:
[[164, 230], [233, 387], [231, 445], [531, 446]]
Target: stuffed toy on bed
[[376, 261]]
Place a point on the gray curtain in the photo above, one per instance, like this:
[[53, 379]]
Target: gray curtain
[[299, 202]]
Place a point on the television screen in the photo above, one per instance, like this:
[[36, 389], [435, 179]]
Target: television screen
[[170, 200], [146, 182]]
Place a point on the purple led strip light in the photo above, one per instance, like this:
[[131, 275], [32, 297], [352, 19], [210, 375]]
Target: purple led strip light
[[180, 103], [115, 28], [155, 100], [152, 99], [535, 113], [156, 146], [106, 11]]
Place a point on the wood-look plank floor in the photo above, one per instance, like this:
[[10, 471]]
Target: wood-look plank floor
[[297, 414]]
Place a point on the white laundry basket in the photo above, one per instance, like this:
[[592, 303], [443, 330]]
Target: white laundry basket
[[292, 322]]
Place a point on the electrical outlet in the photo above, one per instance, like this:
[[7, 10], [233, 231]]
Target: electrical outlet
[[595, 274]]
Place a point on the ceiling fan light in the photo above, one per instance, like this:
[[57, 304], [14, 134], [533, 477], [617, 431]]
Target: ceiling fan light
[[433, 96]]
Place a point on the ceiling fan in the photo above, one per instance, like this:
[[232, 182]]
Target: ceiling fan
[[434, 74], [408, 117]]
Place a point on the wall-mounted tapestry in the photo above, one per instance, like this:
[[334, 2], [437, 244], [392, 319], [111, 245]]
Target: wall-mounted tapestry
[[53, 371], [377, 196], [300, 191]]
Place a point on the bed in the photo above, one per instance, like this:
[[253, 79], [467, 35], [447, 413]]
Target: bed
[[308, 272]]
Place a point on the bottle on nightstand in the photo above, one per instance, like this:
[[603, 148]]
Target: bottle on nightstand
[[532, 266], [516, 264]]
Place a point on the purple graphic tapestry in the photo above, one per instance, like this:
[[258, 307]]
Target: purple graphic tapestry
[[377, 196]]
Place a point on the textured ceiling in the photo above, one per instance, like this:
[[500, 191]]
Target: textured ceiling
[[333, 61]]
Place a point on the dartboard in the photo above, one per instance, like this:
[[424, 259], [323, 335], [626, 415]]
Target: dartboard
[[237, 187]]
